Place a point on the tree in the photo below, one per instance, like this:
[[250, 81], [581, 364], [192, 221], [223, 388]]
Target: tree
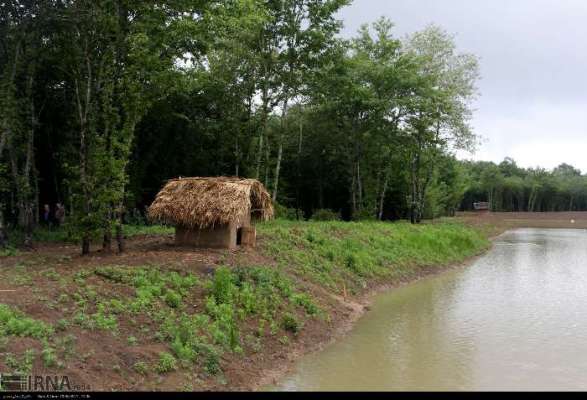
[[441, 109]]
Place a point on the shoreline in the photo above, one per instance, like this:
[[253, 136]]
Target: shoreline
[[353, 271], [360, 306]]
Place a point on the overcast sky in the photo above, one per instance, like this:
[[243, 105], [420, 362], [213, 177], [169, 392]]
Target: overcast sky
[[533, 104]]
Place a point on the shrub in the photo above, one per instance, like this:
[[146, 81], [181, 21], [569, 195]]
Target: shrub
[[167, 363], [212, 360], [304, 301], [325, 214], [223, 286], [141, 367], [173, 299], [13, 322], [283, 212], [290, 323], [49, 357]]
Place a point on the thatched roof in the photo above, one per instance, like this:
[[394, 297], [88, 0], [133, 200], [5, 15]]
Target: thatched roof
[[206, 202]]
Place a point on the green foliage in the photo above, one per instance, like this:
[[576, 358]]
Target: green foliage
[[24, 365], [508, 187], [49, 357], [334, 254], [141, 367], [303, 300], [223, 286], [290, 323], [167, 363], [325, 215], [173, 299], [14, 322], [283, 212]]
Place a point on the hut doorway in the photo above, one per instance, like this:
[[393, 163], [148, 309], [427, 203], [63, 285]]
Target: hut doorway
[[239, 236]]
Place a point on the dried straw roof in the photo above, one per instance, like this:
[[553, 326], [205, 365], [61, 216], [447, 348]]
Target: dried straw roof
[[206, 202]]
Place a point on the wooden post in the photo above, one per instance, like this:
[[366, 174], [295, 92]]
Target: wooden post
[[248, 236]]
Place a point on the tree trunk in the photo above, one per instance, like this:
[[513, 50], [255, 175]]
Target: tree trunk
[[120, 236], [382, 196], [85, 244], [280, 150], [28, 233], [413, 192], [353, 193], [267, 156], [359, 187], [107, 242], [107, 238], [3, 233], [262, 132], [298, 171]]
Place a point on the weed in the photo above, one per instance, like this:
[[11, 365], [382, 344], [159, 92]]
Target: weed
[[49, 357], [173, 299], [223, 286], [141, 367], [290, 323], [304, 301], [167, 363], [62, 325], [51, 274], [9, 251], [13, 322]]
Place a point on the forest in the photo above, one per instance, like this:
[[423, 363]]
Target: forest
[[102, 102]]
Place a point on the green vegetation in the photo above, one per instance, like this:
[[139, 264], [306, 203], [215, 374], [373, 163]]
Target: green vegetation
[[199, 322], [508, 187], [342, 254], [14, 322], [167, 363], [364, 126]]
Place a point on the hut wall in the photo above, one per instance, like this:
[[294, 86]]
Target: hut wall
[[223, 236]]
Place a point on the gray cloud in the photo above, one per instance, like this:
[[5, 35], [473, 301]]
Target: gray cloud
[[533, 65]]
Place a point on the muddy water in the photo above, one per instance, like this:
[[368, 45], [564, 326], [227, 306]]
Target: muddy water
[[514, 320]]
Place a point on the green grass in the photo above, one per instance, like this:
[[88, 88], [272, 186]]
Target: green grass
[[336, 254], [204, 320], [15, 323]]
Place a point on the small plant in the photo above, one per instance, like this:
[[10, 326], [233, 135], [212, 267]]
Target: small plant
[[304, 301], [51, 274], [141, 367], [223, 285], [8, 251], [62, 325], [13, 322], [49, 357], [133, 341], [167, 363], [212, 363], [63, 298], [173, 299], [325, 215], [290, 323], [284, 340]]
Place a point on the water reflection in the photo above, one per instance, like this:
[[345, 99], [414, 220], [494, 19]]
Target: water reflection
[[515, 320]]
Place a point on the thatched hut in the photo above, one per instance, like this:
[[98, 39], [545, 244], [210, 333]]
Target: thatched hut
[[212, 212]]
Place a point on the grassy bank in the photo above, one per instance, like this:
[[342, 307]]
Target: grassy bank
[[163, 318]]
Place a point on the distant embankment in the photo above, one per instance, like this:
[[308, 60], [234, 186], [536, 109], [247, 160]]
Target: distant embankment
[[576, 219]]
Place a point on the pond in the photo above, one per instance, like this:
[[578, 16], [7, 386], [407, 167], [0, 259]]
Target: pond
[[516, 319]]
